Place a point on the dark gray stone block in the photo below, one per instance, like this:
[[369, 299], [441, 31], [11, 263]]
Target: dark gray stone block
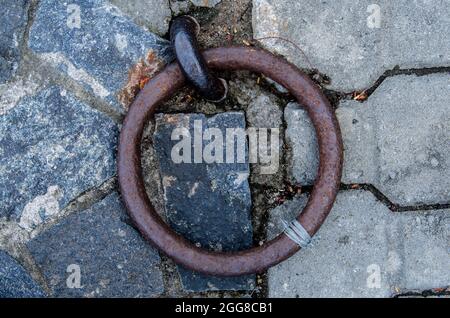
[[13, 19], [113, 259], [52, 148], [15, 282], [208, 203]]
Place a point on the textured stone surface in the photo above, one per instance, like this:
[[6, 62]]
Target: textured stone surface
[[397, 140], [15, 282], [263, 112], [341, 38], [13, 91], [209, 204], [360, 142], [302, 142], [13, 21], [150, 170], [113, 259], [180, 7], [52, 148], [412, 124], [98, 49], [359, 145], [360, 237], [153, 15]]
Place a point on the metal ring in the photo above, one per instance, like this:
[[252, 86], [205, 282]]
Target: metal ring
[[183, 32], [256, 259]]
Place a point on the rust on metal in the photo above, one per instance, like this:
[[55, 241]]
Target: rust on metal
[[256, 259], [138, 76]]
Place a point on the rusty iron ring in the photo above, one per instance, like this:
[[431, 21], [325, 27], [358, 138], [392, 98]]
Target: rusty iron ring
[[256, 259]]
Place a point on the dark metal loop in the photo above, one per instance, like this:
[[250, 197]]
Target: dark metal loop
[[326, 186], [183, 33]]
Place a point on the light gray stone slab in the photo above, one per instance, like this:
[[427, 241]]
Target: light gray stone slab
[[302, 144], [412, 125], [265, 117], [348, 42], [358, 127], [425, 242], [364, 250], [397, 140]]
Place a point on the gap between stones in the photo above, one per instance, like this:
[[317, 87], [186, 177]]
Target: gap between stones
[[13, 239], [432, 293], [412, 71], [335, 97], [396, 71], [82, 202], [32, 67], [391, 205]]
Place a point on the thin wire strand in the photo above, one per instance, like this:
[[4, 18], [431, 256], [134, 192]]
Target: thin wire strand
[[297, 233]]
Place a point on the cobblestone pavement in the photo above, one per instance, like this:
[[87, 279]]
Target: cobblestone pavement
[[69, 71]]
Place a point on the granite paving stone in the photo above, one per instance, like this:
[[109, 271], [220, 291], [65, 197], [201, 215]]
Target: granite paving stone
[[301, 139], [13, 21], [355, 42], [94, 43], [97, 253], [15, 282], [153, 15], [52, 148], [265, 116]]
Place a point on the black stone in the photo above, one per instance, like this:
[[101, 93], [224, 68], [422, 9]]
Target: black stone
[[209, 204]]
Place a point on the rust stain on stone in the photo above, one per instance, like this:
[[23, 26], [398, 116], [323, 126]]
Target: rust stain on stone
[[138, 76], [360, 96]]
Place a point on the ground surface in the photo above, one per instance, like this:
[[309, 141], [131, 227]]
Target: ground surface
[[68, 73]]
